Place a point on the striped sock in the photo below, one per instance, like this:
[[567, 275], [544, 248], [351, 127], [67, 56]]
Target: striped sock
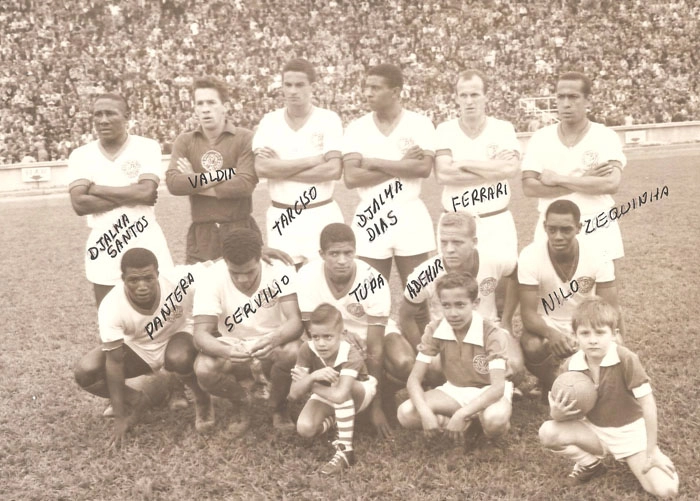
[[345, 417], [327, 424]]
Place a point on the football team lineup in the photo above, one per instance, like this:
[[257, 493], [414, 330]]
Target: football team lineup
[[286, 310]]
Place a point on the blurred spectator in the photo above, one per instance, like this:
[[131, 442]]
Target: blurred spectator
[[54, 60]]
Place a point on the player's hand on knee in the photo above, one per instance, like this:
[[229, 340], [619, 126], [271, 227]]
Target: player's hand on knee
[[457, 425], [659, 460], [431, 427], [559, 345], [184, 166], [238, 355], [264, 346]]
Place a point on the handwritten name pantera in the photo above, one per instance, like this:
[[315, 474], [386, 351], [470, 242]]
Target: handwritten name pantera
[[113, 241], [380, 226], [263, 298], [602, 219], [170, 307]]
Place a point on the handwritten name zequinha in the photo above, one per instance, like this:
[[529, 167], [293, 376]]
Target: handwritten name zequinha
[[602, 219], [113, 242], [379, 227], [169, 306]]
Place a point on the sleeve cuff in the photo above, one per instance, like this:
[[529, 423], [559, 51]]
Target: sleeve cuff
[[349, 372], [112, 345], [642, 390], [497, 364], [79, 182], [422, 357], [149, 177]]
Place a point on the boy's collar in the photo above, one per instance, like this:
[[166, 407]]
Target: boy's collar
[[475, 334], [578, 359], [340, 358]]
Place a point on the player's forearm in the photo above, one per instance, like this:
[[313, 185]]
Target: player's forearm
[[84, 204], [206, 343], [491, 170], [301, 387], [277, 168], [288, 331], [237, 187], [533, 187], [591, 185], [510, 303], [182, 184], [114, 374], [136, 193], [405, 168], [457, 177], [534, 323], [335, 394], [356, 177], [414, 387], [327, 171], [409, 327], [488, 397], [649, 414]]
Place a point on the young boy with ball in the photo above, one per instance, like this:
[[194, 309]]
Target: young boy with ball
[[473, 356], [623, 420], [334, 372]]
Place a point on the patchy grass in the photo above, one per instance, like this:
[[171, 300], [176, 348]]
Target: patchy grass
[[52, 439]]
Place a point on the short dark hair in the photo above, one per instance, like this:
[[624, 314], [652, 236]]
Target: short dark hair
[[563, 207], [577, 76], [326, 313], [471, 73], [458, 280], [389, 72], [113, 96], [302, 66], [210, 82], [138, 257], [241, 245], [334, 233]]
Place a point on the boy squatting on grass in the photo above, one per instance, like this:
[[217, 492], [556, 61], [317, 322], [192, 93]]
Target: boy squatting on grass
[[473, 356], [334, 371], [623, 420]]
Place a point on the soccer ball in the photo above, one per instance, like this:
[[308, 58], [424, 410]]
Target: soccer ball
[[577, 386]]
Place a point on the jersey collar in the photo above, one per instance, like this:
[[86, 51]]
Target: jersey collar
[[475, 333], [228, 127], [578, 359]]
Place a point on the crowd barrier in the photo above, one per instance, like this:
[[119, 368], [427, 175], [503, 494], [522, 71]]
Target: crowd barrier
[[42, 177]]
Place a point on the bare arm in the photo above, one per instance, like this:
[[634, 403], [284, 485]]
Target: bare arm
[[510, 303], [145, 192], [205, 327], [85, 203], [505, 164], [288, 331], [488, 397], [535, 324], [330, 170], [408, 322], [448, 172], [357, 177], [533, 187], [338, 393], [594, 182], [269, 165], [375, 366]]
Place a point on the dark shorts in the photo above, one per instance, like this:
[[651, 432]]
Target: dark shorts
[[204, 240]]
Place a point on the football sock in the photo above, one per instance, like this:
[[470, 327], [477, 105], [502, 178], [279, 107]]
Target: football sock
[[577, 454], [327, 424], [345, 417]]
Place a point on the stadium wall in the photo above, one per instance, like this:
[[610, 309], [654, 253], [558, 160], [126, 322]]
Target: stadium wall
[[48, 177]]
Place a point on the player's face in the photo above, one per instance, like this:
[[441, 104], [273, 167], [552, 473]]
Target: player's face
[[339, 259], [245, 277], [561, 232], [571, 102], [209, 109], [141, 285], [326, 338], [109, 119], [457, 247], [471, 98], [457, 307], [594, 341], [296, 89], [378, 93]]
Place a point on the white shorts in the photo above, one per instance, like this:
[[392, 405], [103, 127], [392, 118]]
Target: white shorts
[[465, 394], [370, 387], [411, 234], [621, 441], [105, 270], [301, 238], [153, 351], [607, 239]]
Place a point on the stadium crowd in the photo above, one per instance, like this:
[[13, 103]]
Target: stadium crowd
[[54, 59]]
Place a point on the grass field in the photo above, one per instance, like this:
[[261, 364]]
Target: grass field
[[52, 434]]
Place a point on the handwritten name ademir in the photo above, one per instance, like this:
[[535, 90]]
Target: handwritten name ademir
[[262, 298], [113, 241], [602, 219], [380, 226], [170, 307], [424, 278], [299, 205]]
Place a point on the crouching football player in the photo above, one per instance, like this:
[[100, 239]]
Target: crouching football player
[[623, 420], [335, 374], [246, 313], [473, 355], [145, 323]]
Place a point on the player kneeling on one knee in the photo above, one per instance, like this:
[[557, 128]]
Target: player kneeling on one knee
[[334, 372], [623, 420], [473, 354]]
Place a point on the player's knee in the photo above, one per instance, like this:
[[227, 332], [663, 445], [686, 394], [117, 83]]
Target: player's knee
[[548, 435], [533, 347], [205, 368], [306, 428], [180, 360], [406, 414], [495, 422], [399, 366], [664, 486], [85, 372]]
